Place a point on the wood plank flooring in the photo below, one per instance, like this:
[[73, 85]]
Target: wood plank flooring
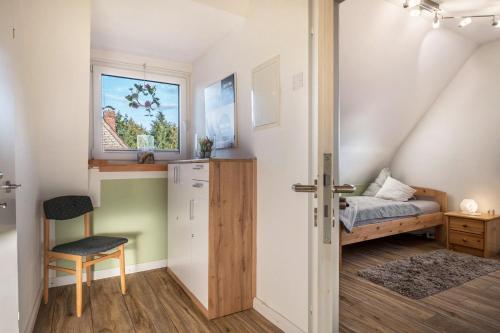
[[154, 303], [366, 307]]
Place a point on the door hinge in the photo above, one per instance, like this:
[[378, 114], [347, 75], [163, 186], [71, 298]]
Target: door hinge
[[13, 33]]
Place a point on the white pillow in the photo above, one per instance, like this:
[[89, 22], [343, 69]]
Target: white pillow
[[378, 183], [395, 190]]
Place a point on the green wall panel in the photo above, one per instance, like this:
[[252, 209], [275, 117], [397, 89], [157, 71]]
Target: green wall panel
[[132, 208]]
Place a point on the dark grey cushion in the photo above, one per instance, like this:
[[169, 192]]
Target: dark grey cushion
[[90, 245], [67, 207]]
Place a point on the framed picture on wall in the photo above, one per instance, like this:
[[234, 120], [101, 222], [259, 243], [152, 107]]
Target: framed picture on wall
[[220, 112]]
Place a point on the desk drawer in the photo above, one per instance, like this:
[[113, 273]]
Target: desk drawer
[[199, 171], [468, 240], [466, 225]]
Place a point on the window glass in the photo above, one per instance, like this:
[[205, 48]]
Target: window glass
[[139, 114]]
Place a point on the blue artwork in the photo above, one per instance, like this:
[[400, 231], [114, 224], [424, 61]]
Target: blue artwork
[[220, 108]]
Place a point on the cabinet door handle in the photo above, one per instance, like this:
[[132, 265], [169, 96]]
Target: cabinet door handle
[[191, 209], [198, 167], [198, 185]]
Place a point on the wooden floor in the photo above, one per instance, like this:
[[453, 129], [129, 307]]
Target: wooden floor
[[154, 303], [366, 307]]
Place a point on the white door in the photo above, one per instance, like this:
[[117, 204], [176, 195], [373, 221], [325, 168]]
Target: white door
[[324, 226], [8, 236], [199, 240], [172, 215], [179, 234]]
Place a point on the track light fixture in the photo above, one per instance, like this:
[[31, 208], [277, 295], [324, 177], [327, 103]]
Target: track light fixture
[[436, 22], [465, 22], [418, 7], [495, 23]]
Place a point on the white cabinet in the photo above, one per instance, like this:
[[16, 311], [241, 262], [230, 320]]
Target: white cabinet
[[188, 229], [211, 232], [199, 241]]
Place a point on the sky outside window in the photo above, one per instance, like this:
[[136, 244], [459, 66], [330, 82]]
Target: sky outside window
[[114, 90]]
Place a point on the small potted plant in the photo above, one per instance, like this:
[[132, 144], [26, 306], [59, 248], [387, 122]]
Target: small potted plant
[[206, 146]]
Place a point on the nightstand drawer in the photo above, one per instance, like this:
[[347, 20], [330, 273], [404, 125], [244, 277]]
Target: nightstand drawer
[[467, 225], [468, 240]]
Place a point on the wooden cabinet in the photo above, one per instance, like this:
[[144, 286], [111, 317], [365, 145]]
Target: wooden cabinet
[[211, 232], [478, 235]]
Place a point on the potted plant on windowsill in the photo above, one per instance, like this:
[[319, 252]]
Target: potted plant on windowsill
[[206, 146]]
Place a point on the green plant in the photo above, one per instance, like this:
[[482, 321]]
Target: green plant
[[205, 144]]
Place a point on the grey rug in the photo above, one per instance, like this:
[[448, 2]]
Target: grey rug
[[427, 274]]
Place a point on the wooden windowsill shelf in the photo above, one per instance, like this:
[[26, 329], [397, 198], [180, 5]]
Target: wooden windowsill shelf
[[108, 166]]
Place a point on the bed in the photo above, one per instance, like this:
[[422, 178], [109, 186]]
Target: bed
[[431, 204]]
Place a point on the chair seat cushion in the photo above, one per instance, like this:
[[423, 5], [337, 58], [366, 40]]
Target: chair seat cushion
[[90, 245]]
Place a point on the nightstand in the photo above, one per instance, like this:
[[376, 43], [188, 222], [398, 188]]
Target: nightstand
[[474, 234]]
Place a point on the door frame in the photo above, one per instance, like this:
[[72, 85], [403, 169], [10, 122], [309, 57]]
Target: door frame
[[324, 309]]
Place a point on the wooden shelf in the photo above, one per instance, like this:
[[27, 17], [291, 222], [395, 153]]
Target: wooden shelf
[[107, 166]]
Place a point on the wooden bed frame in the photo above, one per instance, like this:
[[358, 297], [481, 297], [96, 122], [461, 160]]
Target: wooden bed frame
[[407, 224]]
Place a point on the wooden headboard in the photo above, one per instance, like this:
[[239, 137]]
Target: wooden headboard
[[428, 193]]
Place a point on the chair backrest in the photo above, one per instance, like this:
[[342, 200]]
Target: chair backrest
[[67, 207]]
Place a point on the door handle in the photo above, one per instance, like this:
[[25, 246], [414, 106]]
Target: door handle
[[3, 205], [8, 187], [346, 188], [191, 209], [299, 188]]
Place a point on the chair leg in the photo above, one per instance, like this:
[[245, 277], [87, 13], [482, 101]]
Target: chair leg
[[79, 287], [46, 279], [122, 269], [88, 271]]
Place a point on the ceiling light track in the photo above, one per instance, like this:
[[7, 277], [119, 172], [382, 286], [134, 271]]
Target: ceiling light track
[[417, 7]]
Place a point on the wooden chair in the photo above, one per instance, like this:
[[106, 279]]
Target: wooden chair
[[90, 248]]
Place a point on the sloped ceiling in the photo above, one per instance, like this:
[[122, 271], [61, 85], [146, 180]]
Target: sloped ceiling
[[392, 69], [176, 30]]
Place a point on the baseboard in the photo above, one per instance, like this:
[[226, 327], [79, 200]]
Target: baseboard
[[276, 318], [106, 273], [30, 324]]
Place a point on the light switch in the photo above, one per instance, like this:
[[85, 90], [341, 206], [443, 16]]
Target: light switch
[[298, 81]]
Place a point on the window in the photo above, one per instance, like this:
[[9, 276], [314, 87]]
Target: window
[[135, 111]]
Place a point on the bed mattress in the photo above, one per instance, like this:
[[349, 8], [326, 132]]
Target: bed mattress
[[369, 210]]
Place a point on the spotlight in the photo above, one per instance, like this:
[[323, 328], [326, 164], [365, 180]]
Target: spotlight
[[465, 22], [436, 22], [495, 23], [415, 12]]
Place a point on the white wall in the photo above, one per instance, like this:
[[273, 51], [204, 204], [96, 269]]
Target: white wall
[[58, 62], [277, 27], [392, 68], [53, 40], [455, 148]]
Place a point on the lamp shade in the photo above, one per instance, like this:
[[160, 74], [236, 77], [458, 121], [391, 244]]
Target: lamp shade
[[468, 206]]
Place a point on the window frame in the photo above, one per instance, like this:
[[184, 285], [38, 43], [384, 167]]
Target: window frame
[[98, 151]]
